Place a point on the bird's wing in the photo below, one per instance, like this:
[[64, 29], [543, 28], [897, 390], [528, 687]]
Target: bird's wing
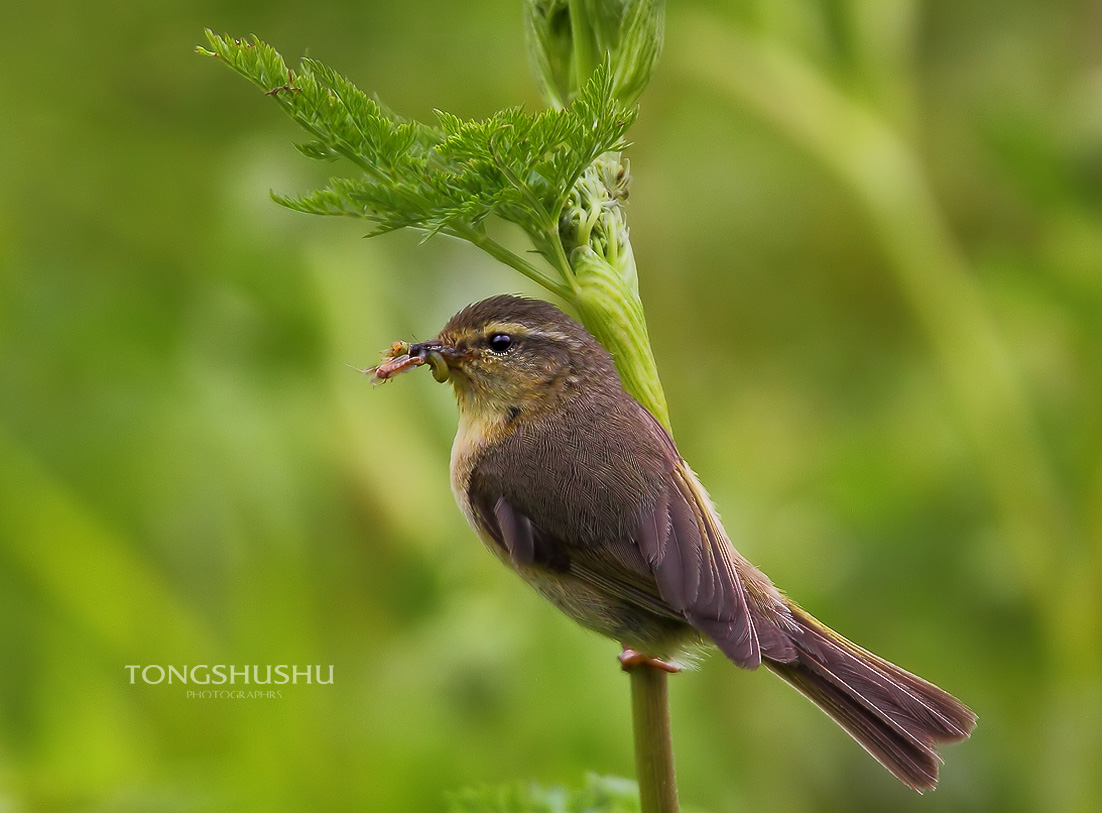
[[526, 543], [627, 577], [701, 575], [689, 556], [673, 559]]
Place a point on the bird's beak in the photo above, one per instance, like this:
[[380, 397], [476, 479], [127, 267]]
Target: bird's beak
[[436, 354]]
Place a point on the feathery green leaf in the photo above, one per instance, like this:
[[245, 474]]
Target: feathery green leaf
[[449, 177]]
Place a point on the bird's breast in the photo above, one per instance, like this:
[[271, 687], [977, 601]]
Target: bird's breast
[[475, 433]]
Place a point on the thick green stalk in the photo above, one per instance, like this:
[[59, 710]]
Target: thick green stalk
[[613, 312], [593, 253], [602, 274], [604, 279], [653, 747], [586, 56]]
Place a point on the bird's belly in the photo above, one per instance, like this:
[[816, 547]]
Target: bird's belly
[[611, 615]]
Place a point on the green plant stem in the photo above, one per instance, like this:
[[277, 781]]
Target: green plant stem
[[605, 290], [502, 254], [653, 746]]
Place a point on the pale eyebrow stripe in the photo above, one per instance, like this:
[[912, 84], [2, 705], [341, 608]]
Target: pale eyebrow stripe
[[517, 329]]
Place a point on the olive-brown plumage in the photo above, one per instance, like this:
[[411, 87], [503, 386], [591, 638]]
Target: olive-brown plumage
[[573, 484]]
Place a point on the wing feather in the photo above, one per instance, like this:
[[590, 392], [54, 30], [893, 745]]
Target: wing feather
[[528, 544], [688, 554], [516, 533]]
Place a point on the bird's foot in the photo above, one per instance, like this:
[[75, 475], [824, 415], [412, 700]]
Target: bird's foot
[[630, 659]]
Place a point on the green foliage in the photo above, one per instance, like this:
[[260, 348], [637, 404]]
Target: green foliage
[[446, 178], [601, 794]]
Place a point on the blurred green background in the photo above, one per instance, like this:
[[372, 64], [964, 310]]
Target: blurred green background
[[870, 246]]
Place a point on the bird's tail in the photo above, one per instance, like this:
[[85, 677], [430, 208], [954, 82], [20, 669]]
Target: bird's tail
[[895, 716]]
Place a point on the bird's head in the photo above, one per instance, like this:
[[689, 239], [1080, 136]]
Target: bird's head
[[510, 356]]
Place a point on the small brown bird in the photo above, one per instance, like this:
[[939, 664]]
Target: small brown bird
[[579, 490]]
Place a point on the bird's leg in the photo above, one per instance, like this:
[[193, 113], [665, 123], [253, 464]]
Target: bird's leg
[[630, 659]]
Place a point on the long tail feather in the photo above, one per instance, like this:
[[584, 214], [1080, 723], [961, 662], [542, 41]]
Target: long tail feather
[[895, 716]]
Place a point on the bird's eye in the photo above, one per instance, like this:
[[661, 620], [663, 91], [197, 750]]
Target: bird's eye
[[500, 342]]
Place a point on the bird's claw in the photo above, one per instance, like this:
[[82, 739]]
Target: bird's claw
[[630, 659]]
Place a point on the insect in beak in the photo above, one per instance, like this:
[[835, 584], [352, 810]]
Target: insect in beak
[[403, 356]]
